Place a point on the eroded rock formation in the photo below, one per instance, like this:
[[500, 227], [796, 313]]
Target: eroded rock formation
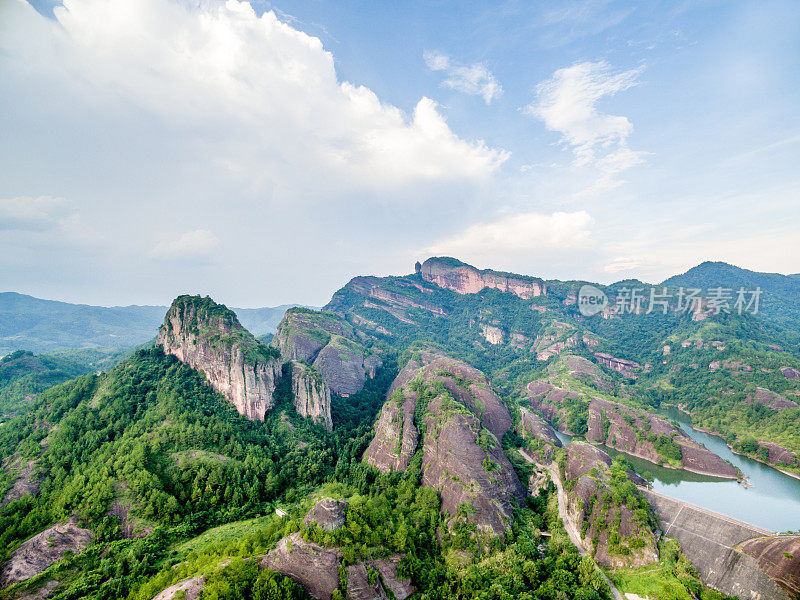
[[460, 422], [328, 513], [207, 336], [619, 530], [44, 549], [460, 277], [312, 397], [329, 344]]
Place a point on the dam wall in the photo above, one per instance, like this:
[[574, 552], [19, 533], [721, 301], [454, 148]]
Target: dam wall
[[709, 542]]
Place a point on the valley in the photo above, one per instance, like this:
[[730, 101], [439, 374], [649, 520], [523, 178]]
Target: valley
[[432, 435]]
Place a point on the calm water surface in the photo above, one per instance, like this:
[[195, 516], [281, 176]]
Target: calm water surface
[[772, 503]]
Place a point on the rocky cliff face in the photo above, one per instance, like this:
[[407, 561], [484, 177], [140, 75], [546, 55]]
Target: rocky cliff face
[[329, 344], [460, 423], [316, 569], [207, 336], [608, 509], [454, 275], [625, 428], [312, 397]]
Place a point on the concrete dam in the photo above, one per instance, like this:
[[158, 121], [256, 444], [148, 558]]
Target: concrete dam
[[710, 542]]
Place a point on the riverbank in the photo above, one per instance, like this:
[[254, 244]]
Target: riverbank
[[665, 465], [732, 449]]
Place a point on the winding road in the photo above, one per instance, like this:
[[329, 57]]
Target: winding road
[[570, 527]]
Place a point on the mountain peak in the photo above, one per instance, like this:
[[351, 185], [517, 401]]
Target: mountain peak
[[453, 274], [207, 336]]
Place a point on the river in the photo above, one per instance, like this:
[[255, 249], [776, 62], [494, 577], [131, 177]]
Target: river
[[773, 501]]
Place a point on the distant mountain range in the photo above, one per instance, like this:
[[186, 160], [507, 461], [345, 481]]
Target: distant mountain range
[[28, 323], [780, 293]]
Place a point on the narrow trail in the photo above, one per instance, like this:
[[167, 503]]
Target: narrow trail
[[570, 527]]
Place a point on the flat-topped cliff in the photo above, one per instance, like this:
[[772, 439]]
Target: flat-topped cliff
[[460, 277]]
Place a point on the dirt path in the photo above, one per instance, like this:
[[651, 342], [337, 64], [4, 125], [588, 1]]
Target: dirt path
[[572, 530]]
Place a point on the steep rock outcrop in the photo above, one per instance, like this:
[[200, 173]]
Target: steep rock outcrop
[[555, 338], [619, 531], [312, 398], [329, 344], [207, 336], [190, 588], [771, 399], [329, 513], [778, 557], [534, 427], [314, 567], [44, 549], [460, 277], [396, 435], [460, 421], [403, 299], [625, 428], [384, 580], [627, 368]]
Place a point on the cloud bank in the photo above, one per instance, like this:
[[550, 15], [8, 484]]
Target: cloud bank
[[566, 103], [265, 96], [474, 79]]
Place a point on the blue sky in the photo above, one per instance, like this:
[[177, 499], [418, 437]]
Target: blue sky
[[267, 154]]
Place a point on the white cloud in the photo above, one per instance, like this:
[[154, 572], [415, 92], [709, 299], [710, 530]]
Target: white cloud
[[518, 233], [34, 214], [567, 104], [252, 96], [474, 79], [194, 245]]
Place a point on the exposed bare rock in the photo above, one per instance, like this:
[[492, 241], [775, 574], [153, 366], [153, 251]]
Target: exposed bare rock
[[127, 525], [731, 365], [370, 580], [328, 513], [312, 398], [468, 467], [400, 298], [778, 557], [540, 437], [555, 338], [460, 277], [518, 340], [629, 429], [191, 587], [328, 343], [462, 426], [314, 567], [42, 550], [770, 399], [26, 481], [627, 368], [778, 455], [342, 364], [532, 425], [208, 337], [790, 373], [493, 335], [396, 435], [583, 370], [400, 587], [363, 583], [619, 532]]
